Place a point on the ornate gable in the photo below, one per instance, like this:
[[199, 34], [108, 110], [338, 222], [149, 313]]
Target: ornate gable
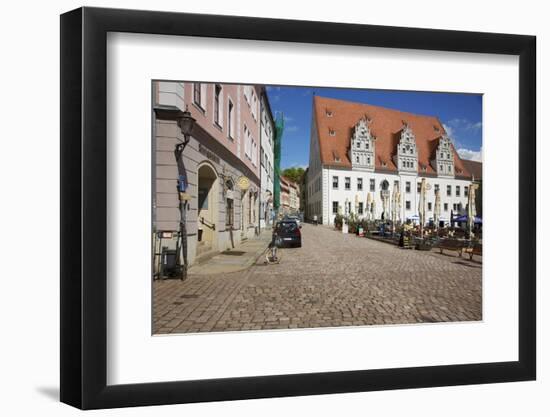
[[362, 149], [444, 158], [406, 158]]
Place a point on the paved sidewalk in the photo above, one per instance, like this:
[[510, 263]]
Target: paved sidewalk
[[234, 260]]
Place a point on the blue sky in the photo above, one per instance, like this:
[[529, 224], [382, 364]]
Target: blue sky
[[461, 114]]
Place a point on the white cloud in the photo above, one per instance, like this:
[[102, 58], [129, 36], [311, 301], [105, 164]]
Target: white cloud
[[448, 129], [291, 128], [470, 154], [462, 124]]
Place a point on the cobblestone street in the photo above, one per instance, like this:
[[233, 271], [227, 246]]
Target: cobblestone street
[[332, 280]]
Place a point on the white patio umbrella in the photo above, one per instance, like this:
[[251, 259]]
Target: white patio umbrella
[[471, 208], [393, 208], [422, 206], [368, 207], [437, 209], [398, 205], [373, 209]]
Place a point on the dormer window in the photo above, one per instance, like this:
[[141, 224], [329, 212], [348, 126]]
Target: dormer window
[[332, 132], [328, 113]]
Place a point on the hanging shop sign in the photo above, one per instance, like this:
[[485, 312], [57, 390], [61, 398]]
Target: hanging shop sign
[[243, 183]]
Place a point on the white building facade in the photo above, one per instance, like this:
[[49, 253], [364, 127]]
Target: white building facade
[[267, 172], [360, 154]]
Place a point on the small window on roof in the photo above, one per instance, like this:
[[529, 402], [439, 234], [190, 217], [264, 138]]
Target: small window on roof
[[331, 132], [329, 113]]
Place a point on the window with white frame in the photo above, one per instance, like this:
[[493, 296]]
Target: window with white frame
[[218, 105], [199, 95], [254, 151], [247, 143], [230, 119]]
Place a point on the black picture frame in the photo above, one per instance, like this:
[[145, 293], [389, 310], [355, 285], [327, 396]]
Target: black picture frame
[[84, 207]]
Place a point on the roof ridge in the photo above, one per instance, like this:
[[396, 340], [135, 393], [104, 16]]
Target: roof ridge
[[376, 105]]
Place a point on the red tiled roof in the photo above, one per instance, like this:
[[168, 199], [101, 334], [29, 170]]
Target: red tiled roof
[[386, 125], [474, 167]]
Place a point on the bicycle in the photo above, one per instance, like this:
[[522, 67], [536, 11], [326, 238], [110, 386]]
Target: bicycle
[[271, 253]]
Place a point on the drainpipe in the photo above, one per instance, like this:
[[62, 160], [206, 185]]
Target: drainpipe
[[260, 193]]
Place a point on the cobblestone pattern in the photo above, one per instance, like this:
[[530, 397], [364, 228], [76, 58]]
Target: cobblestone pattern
[[332, 280]]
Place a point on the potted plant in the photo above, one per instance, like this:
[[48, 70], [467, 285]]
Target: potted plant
[[338, 220]]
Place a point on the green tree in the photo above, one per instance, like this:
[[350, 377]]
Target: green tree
[[294, 173]]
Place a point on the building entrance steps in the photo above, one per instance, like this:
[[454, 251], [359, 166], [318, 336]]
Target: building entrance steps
[[237, 259]]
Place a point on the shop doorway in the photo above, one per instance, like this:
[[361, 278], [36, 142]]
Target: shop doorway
[[207, 208]]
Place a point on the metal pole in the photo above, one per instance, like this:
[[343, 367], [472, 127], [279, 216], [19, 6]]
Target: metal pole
[[182, 206]]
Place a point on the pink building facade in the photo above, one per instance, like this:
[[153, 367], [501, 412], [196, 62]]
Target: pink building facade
[[290, 196], [222, 164]]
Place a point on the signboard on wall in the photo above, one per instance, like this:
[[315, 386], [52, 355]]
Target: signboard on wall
[[243, 183]]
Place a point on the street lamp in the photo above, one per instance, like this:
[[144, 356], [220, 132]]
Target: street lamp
[[186, 122]]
